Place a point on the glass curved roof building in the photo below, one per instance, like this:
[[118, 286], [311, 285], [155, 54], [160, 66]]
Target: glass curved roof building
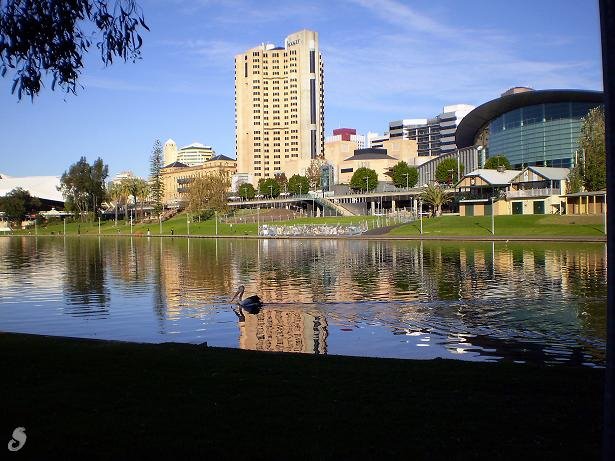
[[530, 127]]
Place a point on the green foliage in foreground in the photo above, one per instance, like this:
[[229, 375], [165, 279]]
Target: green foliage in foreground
[[115, 400]]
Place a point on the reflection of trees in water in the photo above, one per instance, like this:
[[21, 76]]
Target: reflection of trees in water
[[129, 259], [84, 280]]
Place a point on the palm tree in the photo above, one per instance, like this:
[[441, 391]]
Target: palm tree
[[436, 196], [143, 191], [116, 193]]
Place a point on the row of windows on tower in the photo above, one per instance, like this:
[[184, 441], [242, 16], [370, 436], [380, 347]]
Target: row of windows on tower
[[292, 149], [273, 55]]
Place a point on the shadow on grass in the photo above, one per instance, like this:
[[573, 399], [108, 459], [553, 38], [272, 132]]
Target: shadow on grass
[[488, 229], [599, 229]]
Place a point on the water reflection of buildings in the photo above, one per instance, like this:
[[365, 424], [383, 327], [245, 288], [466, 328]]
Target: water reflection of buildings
[[284, 330]]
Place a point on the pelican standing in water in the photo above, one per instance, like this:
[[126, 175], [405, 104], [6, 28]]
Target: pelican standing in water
[[251, 304]]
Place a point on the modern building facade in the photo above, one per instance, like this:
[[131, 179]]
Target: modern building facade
[[347, 134], [530, 127], [191, 155], [435, 136], [279, 107], [345, 154]]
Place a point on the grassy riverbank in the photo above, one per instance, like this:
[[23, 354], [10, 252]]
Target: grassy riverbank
[[524, 225], [451, 226], [102, 399]]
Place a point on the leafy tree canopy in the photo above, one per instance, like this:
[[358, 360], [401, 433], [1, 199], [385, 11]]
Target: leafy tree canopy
[[83, 185], [246, 190], [493, 163], [592, 143], [17, 203], [404, 175], [364, 179], [298, 184], [281, 179], [314, 172], [446, 171], [207, 194], [269, 187], [52, 37]]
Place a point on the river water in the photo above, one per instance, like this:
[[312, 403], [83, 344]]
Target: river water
[[521, 302]]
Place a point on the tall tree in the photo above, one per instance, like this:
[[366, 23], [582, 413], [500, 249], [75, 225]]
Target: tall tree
[[83, 185], [314, 172], [592, 144], [17, 203], [404, 175], [446, 171], [136, 188], [208, 193], [97, 187], [156, 184], [246, 190], [298, 184], [436, 196], [116, 193], [282, 180], [364, 179], [52, 37], [497, 161], [269, 188]]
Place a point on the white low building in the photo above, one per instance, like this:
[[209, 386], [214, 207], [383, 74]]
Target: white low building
[[43, 187]]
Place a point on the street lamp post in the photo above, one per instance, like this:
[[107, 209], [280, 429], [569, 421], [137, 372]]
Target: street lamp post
[[406, 175], [99, 225], [604, 213], [421, 214], [271, 191], [216, 222], [131, 222], [188, 224], [492, 216]]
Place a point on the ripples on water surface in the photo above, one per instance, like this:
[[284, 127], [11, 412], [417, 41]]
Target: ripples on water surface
[[482, 301]]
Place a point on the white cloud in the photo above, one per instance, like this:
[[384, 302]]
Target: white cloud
[[421, 62]]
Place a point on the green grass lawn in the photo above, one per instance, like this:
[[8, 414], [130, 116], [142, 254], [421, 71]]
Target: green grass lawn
[[179, 226], [108, 400], [517, 225], [525, 225]]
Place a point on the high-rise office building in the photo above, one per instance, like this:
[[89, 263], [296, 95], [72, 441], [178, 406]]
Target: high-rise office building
[[279, 107], [435, 136]]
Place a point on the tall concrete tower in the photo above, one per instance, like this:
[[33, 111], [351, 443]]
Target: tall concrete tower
[[279, 107], [169, 152]]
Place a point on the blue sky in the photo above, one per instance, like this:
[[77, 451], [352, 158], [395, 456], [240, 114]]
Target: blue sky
[[384, 60]]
